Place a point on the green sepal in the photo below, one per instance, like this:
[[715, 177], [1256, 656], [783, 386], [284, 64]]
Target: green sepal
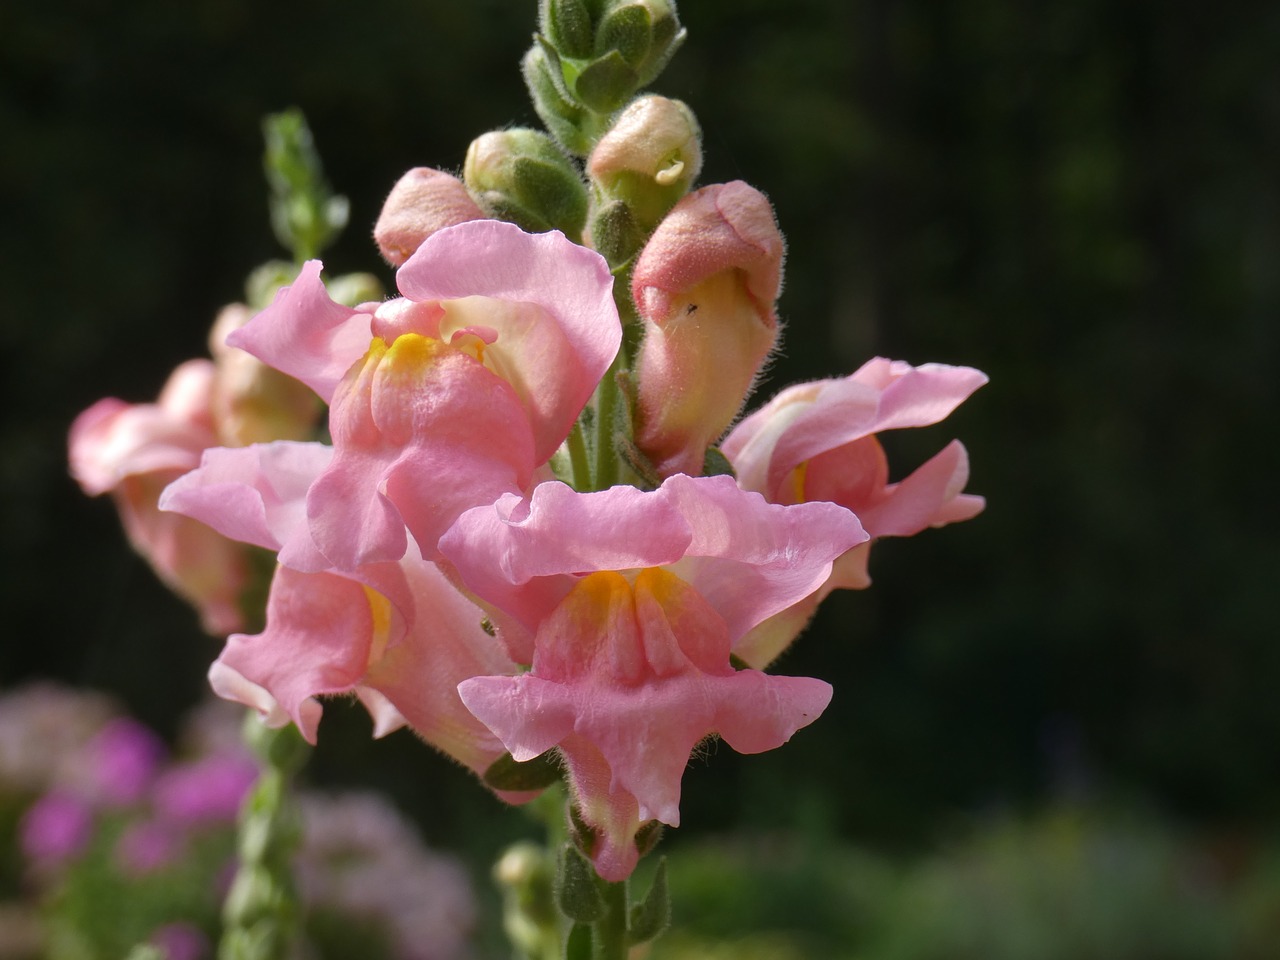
[[648, 835], [638, 463], [577, 893], [516, 776], [629, 30], [564, 119], [716, 464], [667, 49], [567, 26], [581, 832], [605, 84], [652, 916], [577, 945]]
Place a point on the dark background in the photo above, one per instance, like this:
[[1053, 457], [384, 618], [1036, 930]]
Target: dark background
[[1081, 199]]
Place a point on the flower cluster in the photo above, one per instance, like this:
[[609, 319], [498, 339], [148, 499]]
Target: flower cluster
[[533, 530], [123, 842]]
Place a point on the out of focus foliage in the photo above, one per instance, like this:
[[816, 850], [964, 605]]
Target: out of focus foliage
[[1083, 200]]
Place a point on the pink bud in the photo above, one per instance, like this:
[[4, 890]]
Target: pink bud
[[422, 202], [705, 285]]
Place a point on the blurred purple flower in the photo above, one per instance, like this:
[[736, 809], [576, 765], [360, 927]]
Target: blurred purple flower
[[181, 941], [56, 828], [123, 760], [204, 791], [147, 846]]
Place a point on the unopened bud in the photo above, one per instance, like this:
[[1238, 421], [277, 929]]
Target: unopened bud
[[422, 202], [521, 176], [353, 289], [705, 286], [251, 402], [649, 158], [646, 34]]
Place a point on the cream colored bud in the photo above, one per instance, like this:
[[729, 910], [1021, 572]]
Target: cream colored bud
[[654, 136], [251, 402]]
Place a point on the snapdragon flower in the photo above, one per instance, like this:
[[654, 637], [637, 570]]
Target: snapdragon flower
[[628, 605], [818, 442], [450, 396]]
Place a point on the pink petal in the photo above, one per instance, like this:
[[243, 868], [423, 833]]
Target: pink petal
[[422, 432], [112, 439], [306, 334], [256, 495], [727, 226], [549, 300]]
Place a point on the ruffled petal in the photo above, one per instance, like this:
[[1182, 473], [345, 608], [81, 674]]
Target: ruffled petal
[[549, 300], [306, 334]]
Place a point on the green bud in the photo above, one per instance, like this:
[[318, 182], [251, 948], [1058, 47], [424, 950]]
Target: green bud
[[645, 33], [521, 175], [351, 289], [615, 234], [305, 213]]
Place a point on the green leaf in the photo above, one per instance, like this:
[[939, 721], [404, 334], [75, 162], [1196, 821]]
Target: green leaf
[[652, 916], [506, 773]]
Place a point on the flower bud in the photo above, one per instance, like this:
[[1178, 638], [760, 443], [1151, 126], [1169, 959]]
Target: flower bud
[[645, 33], [598, 53], [705, 286], [422, 202], [649, 158], [521, 176], [251, 402]]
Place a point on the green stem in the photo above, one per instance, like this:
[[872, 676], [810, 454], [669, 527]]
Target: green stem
[[579, 463], [606, 473], [609, 936], [260, 916]]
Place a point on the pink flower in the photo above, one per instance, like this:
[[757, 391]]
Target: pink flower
[[205, 791], [121, 762], [132, 452], [398, 635], [705, 285], [817, 442], [56, 828], [632, 603], [449, 397], [147, 846]]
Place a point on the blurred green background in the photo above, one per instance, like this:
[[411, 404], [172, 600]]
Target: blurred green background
[[1081, 199]]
